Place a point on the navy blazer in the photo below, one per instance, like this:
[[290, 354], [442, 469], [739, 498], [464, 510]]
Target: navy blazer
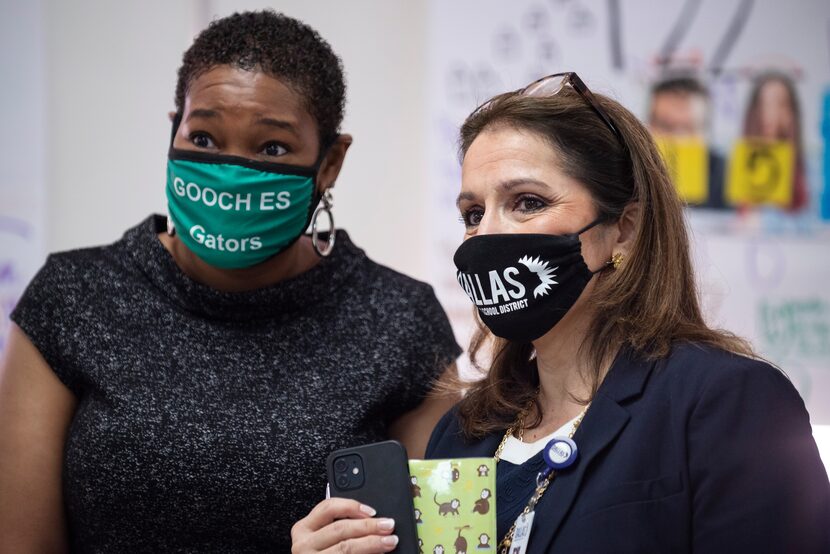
[[702, 451]]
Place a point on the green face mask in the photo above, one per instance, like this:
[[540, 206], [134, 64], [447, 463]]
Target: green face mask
[[233, 212]]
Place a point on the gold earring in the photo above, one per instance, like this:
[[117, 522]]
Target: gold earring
[[617, 260]]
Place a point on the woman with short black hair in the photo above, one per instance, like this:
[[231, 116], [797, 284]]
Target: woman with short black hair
[[179, 390]]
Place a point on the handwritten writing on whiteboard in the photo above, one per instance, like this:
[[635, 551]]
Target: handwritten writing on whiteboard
[[761, 172], [16, 247], [797, 327]]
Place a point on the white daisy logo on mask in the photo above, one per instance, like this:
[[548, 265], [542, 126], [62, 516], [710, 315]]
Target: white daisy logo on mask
[[541, 269]]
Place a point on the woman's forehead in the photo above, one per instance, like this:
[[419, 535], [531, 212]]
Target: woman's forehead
[[507, 144], [231, 89], [503, 153], [507, 161]]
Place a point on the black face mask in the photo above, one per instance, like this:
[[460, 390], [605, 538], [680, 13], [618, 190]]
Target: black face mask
[[523, 284]]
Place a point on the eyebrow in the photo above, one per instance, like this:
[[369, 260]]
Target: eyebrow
[[278, 123], [505, 186], [205, 113]]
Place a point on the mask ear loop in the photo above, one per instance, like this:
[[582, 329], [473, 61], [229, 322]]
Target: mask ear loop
[[594, 223], [177, 120]]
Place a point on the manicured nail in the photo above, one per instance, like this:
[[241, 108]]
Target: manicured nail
[[386, 524], [391, 540], [368, 510]]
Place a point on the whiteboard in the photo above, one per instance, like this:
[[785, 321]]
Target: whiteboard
[[762, 274]]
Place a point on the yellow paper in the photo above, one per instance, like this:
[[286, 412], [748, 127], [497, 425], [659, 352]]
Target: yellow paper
[[688, 163], [761, 173], [455, 504]]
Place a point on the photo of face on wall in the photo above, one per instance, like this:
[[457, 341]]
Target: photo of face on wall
[[679, 115], [773, 115], [765, 165]]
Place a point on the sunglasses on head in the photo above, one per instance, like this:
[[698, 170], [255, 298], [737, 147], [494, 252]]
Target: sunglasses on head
[[552, 84]]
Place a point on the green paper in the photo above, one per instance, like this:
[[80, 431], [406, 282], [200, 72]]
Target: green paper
[[455, 504]]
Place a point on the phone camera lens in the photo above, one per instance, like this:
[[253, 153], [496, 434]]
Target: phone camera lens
[[340, 465], [342, 481]]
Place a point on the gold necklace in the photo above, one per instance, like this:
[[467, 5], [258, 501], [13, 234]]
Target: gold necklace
[[541, 486]]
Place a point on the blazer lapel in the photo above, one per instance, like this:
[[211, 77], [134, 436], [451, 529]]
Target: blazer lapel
[[605, 419], [603, 422]]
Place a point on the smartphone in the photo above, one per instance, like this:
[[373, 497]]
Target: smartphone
[[377, 475]]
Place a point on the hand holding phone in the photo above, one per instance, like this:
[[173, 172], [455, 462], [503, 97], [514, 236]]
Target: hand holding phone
[[335, 523], [377, 475]]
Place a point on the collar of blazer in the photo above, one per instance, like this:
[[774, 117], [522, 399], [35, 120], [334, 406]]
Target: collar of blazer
[[604, 421]]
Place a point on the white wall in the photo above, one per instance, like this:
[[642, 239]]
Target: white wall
[[109, 82], [112, 70], [111, 74], [22, 150]]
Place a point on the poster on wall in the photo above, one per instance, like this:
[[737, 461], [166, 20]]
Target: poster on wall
[[742, 121], [22, 149]]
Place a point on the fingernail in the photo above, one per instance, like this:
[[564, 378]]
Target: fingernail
[[391, 540], [386, 524], [368, 510]]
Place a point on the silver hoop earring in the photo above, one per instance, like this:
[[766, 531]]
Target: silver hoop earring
[[171, 227], [325, 206]]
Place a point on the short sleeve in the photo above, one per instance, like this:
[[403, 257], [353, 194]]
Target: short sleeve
[[44, 314], [758, 481], [437, 347], [430, 349]]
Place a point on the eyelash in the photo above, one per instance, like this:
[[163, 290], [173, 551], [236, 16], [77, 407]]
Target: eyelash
[[277, 144], [193, 137], [530, 197], [541, 204], [464, 218]]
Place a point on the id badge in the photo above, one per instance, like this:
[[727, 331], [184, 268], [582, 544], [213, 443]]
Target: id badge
[[521, 536]]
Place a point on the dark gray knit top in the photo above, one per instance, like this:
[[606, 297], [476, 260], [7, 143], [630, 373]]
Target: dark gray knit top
[[204, 418]]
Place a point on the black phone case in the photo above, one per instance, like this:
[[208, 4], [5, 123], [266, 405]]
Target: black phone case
[[385, 488]]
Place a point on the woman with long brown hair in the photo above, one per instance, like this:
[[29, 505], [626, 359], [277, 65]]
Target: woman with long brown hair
[[621, 421]]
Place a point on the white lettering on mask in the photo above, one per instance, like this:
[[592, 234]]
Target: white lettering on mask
[[222, 196], [519, 291], [267, 203], [218, 242], [212, 193], [283, 200], [227, 201], [194, 193], [198, 233], [246, 200], [486, 301], [501, 293], [497, 287], [178, 186]]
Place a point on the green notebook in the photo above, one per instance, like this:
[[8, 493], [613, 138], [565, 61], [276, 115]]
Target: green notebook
[[455, 504]]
